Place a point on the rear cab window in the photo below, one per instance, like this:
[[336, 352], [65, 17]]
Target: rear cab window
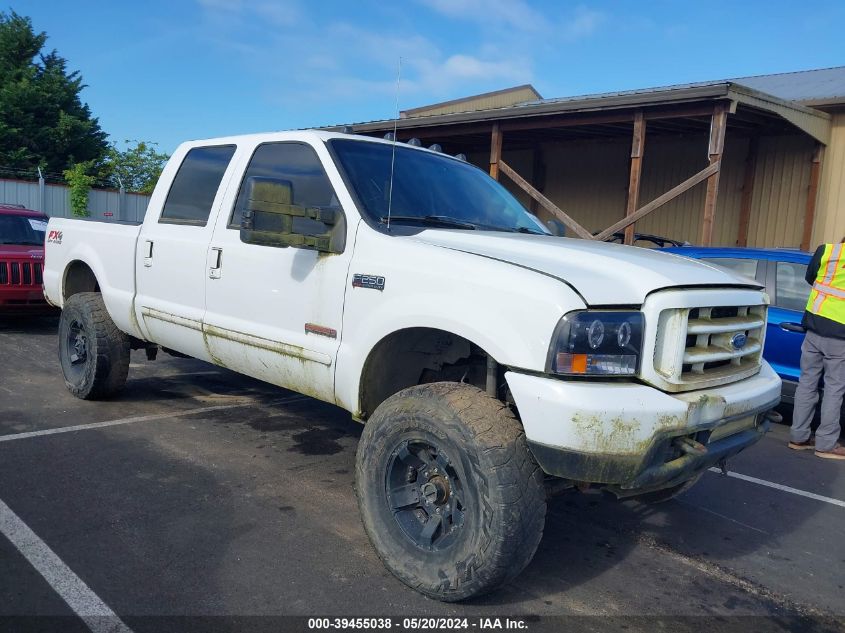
[[195, 186]]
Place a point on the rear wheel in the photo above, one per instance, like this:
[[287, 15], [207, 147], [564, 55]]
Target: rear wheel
[[449, 493], [93, 353]]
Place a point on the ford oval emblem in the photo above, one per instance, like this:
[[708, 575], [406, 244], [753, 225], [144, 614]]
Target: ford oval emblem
[[739, 340]]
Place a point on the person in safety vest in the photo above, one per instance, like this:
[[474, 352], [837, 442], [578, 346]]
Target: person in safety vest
[[823, 351]]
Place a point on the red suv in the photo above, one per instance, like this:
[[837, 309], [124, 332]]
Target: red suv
[[21, 260]]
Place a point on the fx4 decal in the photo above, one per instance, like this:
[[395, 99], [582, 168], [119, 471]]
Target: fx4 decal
[[54, 237], [375, 282]]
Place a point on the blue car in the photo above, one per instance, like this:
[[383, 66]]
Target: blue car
[[782, 272]]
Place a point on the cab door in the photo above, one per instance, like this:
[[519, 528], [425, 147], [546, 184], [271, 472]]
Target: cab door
[[275, 313], [172, 251]]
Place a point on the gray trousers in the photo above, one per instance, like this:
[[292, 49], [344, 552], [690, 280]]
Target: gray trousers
[[819, 353]]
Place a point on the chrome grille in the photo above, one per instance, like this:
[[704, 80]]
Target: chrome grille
[[702, 346]]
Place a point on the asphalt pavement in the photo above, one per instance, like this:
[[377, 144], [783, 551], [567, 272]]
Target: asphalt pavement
[[202, 500]]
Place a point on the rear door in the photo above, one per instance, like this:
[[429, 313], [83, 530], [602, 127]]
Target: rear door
[[171, 258]]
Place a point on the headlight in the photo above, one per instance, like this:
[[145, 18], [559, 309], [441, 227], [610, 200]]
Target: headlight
[[592, 342]]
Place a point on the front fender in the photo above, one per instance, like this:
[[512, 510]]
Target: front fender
[[508, 311]]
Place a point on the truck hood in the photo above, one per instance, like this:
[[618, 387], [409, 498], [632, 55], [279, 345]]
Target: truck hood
[[602, 273], [21, 251]]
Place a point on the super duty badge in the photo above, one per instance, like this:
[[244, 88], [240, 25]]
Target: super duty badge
[[375, 282]]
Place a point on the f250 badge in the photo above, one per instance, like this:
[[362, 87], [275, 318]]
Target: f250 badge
[[54, 237], [375, 282]]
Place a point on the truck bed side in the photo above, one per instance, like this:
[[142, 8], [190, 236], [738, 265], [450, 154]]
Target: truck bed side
[[77, 252]]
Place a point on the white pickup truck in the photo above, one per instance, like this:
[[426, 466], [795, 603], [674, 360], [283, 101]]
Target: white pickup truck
[[491, 361]]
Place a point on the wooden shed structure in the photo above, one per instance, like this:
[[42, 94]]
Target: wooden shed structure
[[722, 162]]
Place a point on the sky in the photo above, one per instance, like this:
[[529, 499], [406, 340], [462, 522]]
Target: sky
[[169, 71]]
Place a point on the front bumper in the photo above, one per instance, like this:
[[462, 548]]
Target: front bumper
[[23, 300], [634, 437]]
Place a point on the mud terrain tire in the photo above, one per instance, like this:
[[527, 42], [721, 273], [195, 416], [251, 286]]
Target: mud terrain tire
[[448, 453], [93, 353]]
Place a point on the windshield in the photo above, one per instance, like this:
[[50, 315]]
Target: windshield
[[16, 229], [431, 190]]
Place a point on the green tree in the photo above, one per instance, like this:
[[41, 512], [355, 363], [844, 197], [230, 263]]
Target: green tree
[[43, 121], [138, 166]]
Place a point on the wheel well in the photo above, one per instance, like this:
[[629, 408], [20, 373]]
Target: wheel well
[[416, 356], [79, 278]]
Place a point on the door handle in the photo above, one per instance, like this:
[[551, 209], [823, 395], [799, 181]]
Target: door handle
[[148, 253], [793, 327], [216, 262]]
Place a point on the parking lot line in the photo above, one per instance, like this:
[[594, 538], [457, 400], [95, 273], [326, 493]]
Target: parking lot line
[[771, 484], [144, 418], [72, 589]]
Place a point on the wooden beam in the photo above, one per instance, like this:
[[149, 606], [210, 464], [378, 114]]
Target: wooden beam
[[747, 192], [718, 124], [544, 201], [658, 202], [812, 195], [538, 175], [637, 147], [495, 151]]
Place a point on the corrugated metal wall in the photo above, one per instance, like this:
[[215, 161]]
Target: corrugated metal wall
[[589, 180], [781, 184], [830, 207], [57, 200]]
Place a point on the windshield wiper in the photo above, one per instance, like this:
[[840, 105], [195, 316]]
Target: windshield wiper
[[431, 220]]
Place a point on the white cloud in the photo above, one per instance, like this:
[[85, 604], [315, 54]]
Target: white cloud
[[513, 13], [583, 24], [346, 61]]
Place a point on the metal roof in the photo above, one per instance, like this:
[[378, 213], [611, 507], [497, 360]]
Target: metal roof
[[824, 86], [811, 121]]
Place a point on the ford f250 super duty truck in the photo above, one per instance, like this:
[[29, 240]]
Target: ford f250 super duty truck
[[490, 361]]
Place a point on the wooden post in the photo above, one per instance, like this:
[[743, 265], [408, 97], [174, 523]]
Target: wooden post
[[747, 192], [718, 124], [637, 146], [812, 195], [495, 151]]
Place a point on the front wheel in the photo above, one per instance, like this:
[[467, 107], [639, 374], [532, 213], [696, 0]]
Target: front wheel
[[93, 353], [450, 496]]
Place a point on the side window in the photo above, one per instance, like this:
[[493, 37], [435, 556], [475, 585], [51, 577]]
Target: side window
[[791, 289], [746, 267], [195, 186], [298, 165]]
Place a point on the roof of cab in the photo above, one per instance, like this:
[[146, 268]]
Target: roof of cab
[[300, 135]]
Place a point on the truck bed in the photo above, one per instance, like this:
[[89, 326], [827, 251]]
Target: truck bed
[[108, 248]]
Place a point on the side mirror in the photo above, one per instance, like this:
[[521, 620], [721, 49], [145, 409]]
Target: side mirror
[[271, 219]]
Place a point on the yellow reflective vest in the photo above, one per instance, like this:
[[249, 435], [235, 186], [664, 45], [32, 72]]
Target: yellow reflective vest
[[827, 298]]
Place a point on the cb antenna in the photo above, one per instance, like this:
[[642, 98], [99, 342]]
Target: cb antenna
[[393, 153]]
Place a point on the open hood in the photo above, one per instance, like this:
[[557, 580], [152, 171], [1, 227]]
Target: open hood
[[604, 274]]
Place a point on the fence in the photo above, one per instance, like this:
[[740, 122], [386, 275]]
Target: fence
[[54, 200]]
